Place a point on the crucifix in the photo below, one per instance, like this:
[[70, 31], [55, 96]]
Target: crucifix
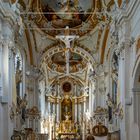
[[67, 39]]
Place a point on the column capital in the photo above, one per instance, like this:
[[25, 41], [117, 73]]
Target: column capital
[[99, 70], [57, 100], [34, 72], [12, 49], [11, 46], [7, 41], [128, 42], [3, 42], [120, 49]]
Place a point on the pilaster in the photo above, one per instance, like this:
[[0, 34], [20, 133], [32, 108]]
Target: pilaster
[[58, 110], [124, 54]]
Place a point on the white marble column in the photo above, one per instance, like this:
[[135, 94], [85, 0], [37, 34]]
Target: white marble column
[[54, 108], [124, 79], [7, 28], [58, 89], [58, 103], [46, 108], [79, 110], [90, 92], [136, 94], [1, 64], [12, 95], [1, 70], [49, 107], [92, 100], [75, 89], [6, 91], [83, 129], [76, 115], [84, 104], [1, 88], [11, 73], [50, 131], [122, 93], [58, 111]]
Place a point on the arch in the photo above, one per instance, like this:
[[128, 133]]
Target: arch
[[135, 71], [30, 47], [136, 94], [136, 76], [136, 90], [77, 49], [25, 59]]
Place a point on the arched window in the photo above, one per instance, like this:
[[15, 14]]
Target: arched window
[[114, 92], [19, 73], [115, 66]]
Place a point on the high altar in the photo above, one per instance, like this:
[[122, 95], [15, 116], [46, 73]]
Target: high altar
[[67, 127], [67, 111]]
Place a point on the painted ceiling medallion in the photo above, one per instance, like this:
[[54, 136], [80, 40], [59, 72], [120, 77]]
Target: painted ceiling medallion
[[62, 13], [57, 62], [81, 16], [54, 16]]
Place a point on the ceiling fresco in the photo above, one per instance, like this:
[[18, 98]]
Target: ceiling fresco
[[59, 59], [52, 17], [58, 62], [64, 13]]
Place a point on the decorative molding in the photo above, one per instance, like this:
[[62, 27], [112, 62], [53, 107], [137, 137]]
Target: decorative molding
[[120, 49], [128, 13], [7, 14]]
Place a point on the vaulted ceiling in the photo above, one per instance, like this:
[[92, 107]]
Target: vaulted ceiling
[[45, 19]]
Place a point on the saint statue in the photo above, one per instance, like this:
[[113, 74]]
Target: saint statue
[[67, 117], [23, 105], [110, 106]]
